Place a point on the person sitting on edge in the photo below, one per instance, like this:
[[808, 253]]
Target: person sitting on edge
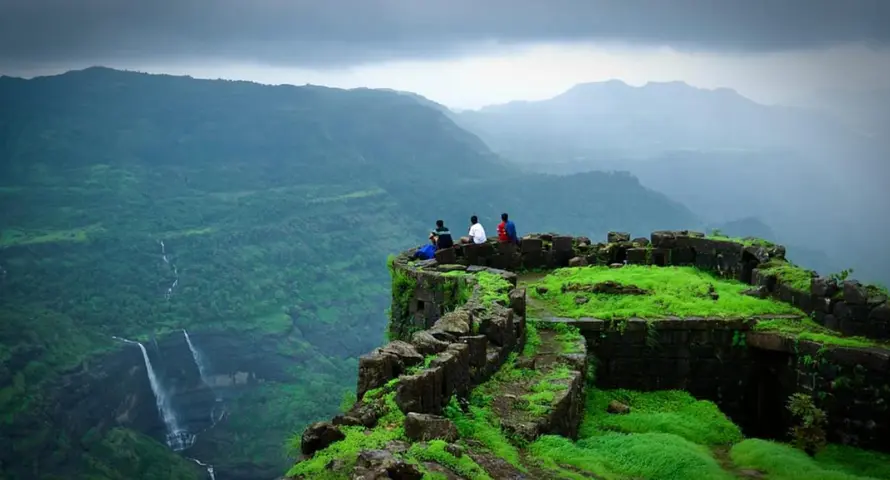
[[442, 235], [507, 230], [477, 233]]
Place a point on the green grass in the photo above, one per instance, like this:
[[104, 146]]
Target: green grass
[[494, 288], [788, 274], [614, 456], [677, 291], [543, 393], [567, 336], [435, 451], [782, 462], [805, 328], [668, 411], [747, 241]]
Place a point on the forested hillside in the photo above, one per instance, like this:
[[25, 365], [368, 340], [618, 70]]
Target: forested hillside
[[136, 205]]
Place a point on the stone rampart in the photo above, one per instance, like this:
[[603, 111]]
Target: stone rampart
[[448, 335], [710, 358]]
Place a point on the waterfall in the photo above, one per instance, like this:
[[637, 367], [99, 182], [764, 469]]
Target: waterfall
[[209, 467], [202, 369], [164, 257], [177, 438]]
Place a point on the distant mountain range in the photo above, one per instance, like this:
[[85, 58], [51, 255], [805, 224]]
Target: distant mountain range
[[813, 174], [276, 206]]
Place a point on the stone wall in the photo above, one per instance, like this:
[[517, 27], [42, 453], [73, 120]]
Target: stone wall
[[441, 353], [709, 358], [444, 344]]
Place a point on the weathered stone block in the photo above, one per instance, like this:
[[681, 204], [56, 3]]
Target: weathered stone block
[[478, 254], [615, 237], [375, 369], [421, 427], [534, 260], [319, 436], [455, 365], [855, 293], [456, 323], [577, 262], [422, 392], [682, 256], [767, 280], [498, 327], [478, 346], [638, 256], [823, 287], [562, 244], [660, 257], [446, 256], [517, 301], [531, 245], [426, 344]]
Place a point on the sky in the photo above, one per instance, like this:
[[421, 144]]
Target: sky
[[465, 53]]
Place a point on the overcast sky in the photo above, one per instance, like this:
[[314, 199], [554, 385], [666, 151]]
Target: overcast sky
[[464, 53]]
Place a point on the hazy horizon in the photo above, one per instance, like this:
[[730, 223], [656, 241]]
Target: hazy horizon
[[466, 55]]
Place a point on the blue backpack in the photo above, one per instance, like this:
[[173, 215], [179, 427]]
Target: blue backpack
[[426, 252]]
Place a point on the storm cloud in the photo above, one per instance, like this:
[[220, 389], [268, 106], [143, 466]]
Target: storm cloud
[[338, 33]]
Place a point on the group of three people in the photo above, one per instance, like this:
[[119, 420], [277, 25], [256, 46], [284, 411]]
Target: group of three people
[[441, 236]]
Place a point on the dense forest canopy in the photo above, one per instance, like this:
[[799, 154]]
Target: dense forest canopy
[[276, 208]]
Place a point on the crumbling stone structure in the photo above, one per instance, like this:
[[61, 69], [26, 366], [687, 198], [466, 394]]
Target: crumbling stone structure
[[748, 373]]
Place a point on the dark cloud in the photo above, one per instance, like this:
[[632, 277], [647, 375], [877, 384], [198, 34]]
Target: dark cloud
[[343, 32]]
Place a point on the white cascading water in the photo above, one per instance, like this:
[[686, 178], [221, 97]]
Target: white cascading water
[[217, 413], [178, 439], [208, 467]]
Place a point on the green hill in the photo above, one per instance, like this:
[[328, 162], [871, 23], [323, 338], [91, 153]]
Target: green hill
[[276, 206]]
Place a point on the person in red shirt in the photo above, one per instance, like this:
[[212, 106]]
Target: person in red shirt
[[506, 230]]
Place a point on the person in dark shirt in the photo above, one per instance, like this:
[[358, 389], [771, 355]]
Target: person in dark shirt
[[507, 230], [442, 235]]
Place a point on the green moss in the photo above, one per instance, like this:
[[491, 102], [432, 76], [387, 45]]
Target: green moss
[[788, 274], [435, 451], [747, 241], [543, 393], [532, 339], [568, 337], [481, 425], [782, 462], [389, 427], [494, 288], [805, 328], [678, 291]]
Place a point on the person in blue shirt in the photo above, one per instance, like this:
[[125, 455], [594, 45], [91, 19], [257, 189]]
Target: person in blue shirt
[[507, 230]]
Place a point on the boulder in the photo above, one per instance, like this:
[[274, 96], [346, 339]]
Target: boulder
[[855, 293], [455, 323], [421, 427], [517, 301], [757, 292], [617, 407], [375, 369], [640, 242], [318, 436], [615, 237], [406, 353], [446, 256], [577, 262], [427, 344], [382, 464], [823, 287]]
